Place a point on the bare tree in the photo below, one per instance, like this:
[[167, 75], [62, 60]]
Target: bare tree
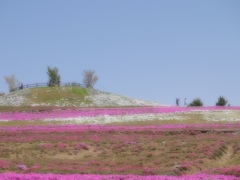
[[89, 78], [12, 82]]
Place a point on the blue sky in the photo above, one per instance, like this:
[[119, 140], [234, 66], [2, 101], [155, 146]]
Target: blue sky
[[153, 50]]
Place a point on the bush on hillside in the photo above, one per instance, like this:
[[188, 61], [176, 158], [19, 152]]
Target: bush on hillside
[[221, 101], [196, 102]]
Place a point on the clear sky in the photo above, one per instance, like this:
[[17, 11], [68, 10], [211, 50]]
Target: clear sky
[[148, 49]]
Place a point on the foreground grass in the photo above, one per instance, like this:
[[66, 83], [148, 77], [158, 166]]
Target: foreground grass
[[29, 123], [123, 149], [14, 176], [120, 151]]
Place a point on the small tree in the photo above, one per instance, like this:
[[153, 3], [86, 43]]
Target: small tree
[[89, 78], [54, 77], [196, 102], [221, 101], [12, 82]]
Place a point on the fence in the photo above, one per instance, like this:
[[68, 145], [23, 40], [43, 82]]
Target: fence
[[21, 86]]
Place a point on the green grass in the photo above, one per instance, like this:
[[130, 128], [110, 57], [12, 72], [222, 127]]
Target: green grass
[[70, 96], [79, 91]]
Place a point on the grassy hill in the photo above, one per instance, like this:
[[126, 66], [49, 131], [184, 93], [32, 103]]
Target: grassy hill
[[68, 96], [59, 96]]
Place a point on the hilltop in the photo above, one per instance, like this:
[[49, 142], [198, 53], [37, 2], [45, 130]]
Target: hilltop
[[69, 96]]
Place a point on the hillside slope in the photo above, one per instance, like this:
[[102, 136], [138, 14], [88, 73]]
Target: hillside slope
[[69, 96], [100, 98]]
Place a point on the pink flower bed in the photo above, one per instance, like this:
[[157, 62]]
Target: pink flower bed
[[38, 133], [59, 129], [103, 111], [66, 128], [13, 176]]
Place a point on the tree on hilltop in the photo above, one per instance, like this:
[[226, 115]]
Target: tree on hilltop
[[54, 77], [12, 82], [89, 78]]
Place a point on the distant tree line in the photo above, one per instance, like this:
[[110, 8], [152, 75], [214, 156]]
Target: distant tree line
[[198, 102], [54, 79]]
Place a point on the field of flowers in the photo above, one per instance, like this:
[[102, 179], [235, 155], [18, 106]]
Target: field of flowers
[[12, 176], [94, 112], [167, 151]]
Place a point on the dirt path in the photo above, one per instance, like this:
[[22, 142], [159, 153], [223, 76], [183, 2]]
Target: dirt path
[[215, 163], [223, 160]]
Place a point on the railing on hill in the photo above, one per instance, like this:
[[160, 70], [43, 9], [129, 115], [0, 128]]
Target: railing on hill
[[26, 86]]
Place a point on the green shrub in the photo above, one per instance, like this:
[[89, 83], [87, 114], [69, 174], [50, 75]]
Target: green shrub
[[196, 102], [221, 101]]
